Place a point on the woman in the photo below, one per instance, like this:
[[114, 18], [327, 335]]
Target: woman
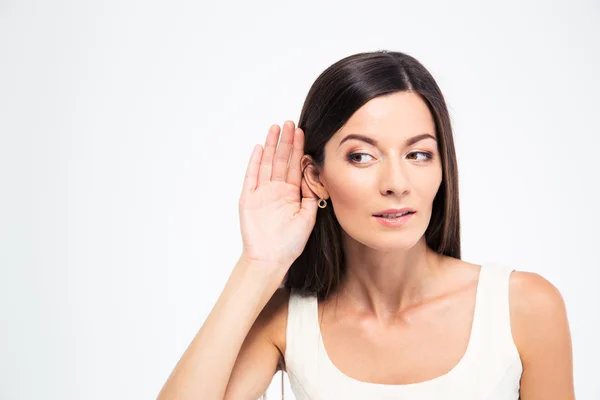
[[356, 211]]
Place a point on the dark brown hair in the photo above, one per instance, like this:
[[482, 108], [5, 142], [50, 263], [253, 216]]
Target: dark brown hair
[[336, 94]]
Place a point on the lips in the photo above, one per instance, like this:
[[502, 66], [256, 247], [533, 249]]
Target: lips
[[394, 221], [394, 215], [395, 212]]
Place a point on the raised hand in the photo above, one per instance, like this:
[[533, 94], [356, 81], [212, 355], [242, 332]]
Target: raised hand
[[277, 208]]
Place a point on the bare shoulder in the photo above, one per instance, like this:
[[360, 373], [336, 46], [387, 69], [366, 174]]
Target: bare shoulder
[[274, 318], [535, 306], [534, 285], [534, 297], [542, 335]]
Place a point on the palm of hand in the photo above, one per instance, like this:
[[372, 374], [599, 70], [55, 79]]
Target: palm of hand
[[277, 209]]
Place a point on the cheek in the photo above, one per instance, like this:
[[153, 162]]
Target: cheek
[[426, 186], [348, 193]]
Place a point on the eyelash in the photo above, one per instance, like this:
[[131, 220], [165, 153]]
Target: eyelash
[[428, 156]]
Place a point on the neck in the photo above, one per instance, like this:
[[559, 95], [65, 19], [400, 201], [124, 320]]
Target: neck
[[385, 284]]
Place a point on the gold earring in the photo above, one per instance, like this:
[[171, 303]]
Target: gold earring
[[322, 203]]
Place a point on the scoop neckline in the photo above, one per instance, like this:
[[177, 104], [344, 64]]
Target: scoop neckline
[[436, 380]]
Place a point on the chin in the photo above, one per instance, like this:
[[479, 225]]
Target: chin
[[388, 241], [398, 243]]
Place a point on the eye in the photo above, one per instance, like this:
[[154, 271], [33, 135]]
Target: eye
[[425, 156], [355, 157]]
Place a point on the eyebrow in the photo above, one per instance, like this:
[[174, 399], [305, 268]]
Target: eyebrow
[[373, 142]]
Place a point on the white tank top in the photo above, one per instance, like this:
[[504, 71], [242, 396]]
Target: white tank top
[[489, 370]]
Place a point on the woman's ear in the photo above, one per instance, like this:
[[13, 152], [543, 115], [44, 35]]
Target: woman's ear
[[313, 178]]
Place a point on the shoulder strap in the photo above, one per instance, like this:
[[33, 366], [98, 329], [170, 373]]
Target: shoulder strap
[[492, 316], [493, 307], [302, 339]]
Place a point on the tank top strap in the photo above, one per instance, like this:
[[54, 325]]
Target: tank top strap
[[492, 332], [302, 340], [492, 307]]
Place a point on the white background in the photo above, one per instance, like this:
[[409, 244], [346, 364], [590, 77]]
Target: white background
[[125, 130]]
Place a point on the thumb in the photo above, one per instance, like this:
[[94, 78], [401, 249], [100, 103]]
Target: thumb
[[309, 200]]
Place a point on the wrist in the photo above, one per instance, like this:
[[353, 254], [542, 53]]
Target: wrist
[[266, 271], [263, 264]]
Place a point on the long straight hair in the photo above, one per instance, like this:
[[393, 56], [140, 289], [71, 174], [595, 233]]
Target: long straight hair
[[337, 93]]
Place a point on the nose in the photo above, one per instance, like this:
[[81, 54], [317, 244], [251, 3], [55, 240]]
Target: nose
[[393, 178]]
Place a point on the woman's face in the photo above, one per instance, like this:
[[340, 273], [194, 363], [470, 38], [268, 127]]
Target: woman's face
[[395, 165]]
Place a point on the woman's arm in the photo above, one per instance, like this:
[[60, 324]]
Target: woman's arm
[[542, 335], [277, 214], [204, 370], [262, 353]]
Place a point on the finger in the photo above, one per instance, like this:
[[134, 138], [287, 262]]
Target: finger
[[282, 155], [266, 162], [307, 193], [294, 174], [251, 177], [309, 205]]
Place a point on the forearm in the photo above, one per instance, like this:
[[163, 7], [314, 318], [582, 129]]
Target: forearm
[[205, 367]]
